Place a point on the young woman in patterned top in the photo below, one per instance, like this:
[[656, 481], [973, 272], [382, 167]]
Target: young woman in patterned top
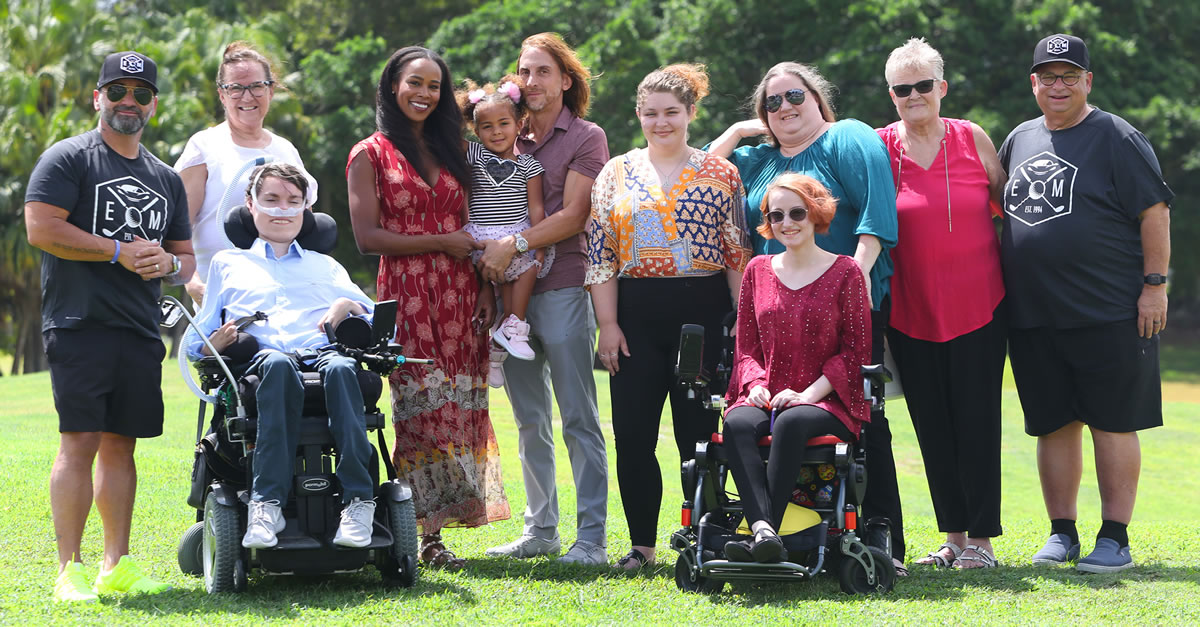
[[666, 247]]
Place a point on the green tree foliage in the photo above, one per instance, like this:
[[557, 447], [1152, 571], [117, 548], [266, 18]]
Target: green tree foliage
[[330, 53]]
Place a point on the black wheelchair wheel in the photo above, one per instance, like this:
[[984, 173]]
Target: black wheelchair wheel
[[853, 576], [697, 583], [223, 566], [401, 563], [191, 551]]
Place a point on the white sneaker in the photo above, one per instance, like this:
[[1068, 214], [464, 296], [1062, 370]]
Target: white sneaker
[[513, 336], [525, 547], [496, 368], [266, 521], [585, 553], [355, 529]]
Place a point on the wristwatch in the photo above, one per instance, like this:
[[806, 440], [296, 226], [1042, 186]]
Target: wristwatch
[[522, 243], [1155, 279], [176, 266]]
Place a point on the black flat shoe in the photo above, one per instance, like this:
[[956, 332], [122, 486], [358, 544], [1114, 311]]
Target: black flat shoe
[[768, 549], [739, 551]]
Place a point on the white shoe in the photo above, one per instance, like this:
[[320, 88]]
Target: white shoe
[[585, 553], [355, 529], [525, 547], [496, 368], [266, 521], [513, 336]]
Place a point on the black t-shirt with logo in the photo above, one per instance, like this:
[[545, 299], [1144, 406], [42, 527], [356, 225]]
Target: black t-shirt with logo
[[115, 198], [1071, 247]]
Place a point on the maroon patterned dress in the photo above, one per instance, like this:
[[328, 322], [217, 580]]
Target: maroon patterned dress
[[444, 440]]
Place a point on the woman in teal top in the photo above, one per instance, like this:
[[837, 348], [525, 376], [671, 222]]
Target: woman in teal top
[[793, 106], [792, 102]]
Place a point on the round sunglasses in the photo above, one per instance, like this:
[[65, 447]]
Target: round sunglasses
[[774, 101], [922, 87], [797, 214], [141, 95]]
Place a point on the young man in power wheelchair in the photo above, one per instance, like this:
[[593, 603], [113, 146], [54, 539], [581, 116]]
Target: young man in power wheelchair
[[276, 303], [796, 418]]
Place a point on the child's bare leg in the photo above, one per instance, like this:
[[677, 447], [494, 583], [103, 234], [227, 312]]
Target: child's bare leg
[[518, 292]]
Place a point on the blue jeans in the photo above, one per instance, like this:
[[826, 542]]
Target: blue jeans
[[280, 405]]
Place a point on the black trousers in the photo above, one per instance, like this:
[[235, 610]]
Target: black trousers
[[952, 390], [650, 313], [883, 494], [765, 491]]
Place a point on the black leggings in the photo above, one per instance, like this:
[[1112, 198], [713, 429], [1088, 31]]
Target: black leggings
[[765, 491], [650, 313]]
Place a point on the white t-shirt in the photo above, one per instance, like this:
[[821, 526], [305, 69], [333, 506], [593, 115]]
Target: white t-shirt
[[214, 148]]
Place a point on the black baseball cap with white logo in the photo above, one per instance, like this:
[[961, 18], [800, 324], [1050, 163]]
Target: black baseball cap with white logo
[[128, 64], [1065, 48]]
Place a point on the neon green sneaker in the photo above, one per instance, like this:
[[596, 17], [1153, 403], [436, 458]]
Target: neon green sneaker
[[128, 577], [72, 586]]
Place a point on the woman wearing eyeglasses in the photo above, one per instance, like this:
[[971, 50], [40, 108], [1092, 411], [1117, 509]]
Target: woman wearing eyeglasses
[[803, 135], [803, 333], [215, 156], [947, 330]]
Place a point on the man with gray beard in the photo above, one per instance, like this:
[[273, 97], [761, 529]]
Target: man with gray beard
[[100, 314]]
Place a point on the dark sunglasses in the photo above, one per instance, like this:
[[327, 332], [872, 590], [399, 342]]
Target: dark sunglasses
[[797, 214], [141, 95], [774, 101], [922, 87]]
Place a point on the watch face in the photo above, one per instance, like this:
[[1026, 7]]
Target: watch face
[[1155, 279]]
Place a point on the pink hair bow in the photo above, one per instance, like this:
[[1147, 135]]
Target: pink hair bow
[[475, 95], [511, 90]]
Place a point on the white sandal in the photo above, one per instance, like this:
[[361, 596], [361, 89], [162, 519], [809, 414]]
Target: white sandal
[[982, 555], [936, 558]]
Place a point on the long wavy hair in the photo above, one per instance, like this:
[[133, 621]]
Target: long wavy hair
[[442, 130]]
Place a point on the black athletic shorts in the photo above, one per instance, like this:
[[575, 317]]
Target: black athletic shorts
[[106, 380], [1104, 376]]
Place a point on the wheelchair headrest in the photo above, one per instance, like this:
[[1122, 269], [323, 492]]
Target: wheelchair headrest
[[319, 232]]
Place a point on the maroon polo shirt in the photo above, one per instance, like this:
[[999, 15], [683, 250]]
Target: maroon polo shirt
[[575, 144]]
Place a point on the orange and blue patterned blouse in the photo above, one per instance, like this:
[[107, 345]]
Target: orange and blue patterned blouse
[[698, 228]]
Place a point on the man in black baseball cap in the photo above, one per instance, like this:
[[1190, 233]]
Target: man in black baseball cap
[[112, 223], [1085, 251], [128, 64]]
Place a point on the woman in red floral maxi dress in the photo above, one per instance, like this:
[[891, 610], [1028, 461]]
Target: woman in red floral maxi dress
[[444, 440]]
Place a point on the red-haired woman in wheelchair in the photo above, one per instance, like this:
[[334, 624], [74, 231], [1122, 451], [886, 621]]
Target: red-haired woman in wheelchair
[[803, 332]]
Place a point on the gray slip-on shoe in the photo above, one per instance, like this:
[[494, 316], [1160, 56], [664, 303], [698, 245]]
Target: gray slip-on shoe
[[1107, 557], [1057, 551]]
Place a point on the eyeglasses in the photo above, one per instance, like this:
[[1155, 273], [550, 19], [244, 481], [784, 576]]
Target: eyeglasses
[[1070, 80], [256, 89], [797, 214], [922, 87], [141, 95], [774, 101]]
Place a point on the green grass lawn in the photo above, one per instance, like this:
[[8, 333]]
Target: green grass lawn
[[1164, 588]]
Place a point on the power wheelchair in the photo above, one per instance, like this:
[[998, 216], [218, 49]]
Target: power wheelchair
[[821, 529], [222, 468]]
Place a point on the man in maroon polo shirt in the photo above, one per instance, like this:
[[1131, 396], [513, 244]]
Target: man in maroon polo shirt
[[562, 324]]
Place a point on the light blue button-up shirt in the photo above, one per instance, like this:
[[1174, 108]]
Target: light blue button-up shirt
[[294, 291]]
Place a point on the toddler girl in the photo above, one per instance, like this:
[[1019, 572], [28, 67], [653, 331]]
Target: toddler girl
[[506, 198]]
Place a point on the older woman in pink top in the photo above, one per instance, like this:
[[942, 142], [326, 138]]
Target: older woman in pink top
[[947, 331]]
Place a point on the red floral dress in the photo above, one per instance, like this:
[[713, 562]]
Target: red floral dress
[[445, 445]]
